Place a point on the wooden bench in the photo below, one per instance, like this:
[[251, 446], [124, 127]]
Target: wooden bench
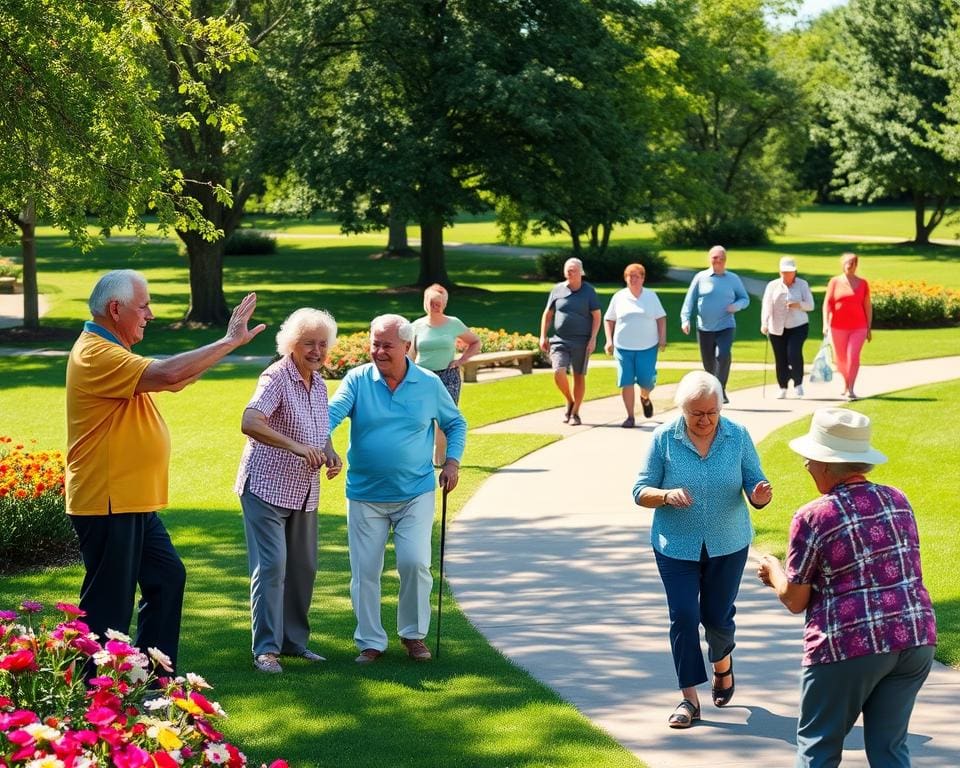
[[518, 358]]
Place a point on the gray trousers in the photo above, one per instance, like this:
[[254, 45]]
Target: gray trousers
[[883, 686], [368, 526], [282, 557]]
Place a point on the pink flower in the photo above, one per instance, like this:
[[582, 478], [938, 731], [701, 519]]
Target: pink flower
[[71, 610], [130, 756], [101, 715], [8, 615], [18, 661], [279, 764], [207, 730], [17, 719]]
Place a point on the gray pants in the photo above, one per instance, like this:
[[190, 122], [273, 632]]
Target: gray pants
[[883, 686], [368, 526], [282, 557]]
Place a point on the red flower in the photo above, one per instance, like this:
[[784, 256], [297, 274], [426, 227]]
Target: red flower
[[162, 759], [17, 719], [18, 661], [70, 609]]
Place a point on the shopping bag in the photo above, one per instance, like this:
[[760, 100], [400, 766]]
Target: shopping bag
[[821, 370]]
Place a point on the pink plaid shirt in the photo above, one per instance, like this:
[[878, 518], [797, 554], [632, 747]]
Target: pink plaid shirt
[[278, 476]]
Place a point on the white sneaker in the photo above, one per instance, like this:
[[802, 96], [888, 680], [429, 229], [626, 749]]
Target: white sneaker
[[782, 395], [798, 390]]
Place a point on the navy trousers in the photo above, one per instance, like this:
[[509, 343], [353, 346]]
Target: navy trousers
[[120, 552], [701, 592], [716, 353]]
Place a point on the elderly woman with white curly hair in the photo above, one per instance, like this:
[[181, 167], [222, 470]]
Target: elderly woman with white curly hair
[[696, 475], [287, 424]]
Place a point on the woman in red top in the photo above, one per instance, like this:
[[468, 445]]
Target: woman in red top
[[847, 317]]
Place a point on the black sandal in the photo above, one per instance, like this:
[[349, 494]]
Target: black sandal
[[722, 696], [647, 407], [568, 413], [685, 715]]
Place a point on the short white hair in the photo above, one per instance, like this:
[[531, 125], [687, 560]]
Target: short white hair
[[403, 326], [435, 290], [696, 385], [302, 321], [575, 262], [117, 285]]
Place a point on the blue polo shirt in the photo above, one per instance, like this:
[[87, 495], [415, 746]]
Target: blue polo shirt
[[718, 516], [711, 294], [390, 457]]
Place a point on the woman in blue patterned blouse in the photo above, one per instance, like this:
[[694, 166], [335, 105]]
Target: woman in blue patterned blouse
[[695, 477]]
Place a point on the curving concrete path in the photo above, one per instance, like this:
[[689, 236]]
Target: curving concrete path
[[551, 561]]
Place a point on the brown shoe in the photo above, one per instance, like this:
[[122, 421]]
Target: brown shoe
[[416, 649], [368, 656]]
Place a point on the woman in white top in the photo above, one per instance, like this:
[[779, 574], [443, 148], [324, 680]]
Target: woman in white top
[[783, 318], [636, 328]]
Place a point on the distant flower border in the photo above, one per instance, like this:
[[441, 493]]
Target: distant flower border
[[131, 714], [913, 304]]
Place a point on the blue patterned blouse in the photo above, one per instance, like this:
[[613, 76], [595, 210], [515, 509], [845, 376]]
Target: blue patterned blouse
[[718, 516]]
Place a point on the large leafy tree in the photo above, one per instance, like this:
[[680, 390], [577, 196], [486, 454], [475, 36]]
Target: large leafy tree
[[733, 180], [888, 113], [79, 128]]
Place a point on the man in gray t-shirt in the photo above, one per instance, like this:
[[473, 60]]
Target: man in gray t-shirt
[[574, 310]]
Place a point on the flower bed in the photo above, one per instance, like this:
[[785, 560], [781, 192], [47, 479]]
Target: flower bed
[[34, 529], [909, 304], [354, 349], [131, 714]]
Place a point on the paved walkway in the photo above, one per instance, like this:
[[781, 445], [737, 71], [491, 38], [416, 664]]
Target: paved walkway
[[550, 560]]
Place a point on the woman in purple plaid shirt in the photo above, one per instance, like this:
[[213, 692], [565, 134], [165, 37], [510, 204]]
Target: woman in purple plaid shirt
[[288, 429], [853, 564]]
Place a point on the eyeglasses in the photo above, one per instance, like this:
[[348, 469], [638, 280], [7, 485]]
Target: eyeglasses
[[703, 414]]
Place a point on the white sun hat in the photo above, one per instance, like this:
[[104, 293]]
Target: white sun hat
[[838, 435], [787, 265]]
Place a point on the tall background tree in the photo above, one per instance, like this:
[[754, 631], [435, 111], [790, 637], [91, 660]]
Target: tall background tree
[[733, 180], [887, 114], [80, 131]]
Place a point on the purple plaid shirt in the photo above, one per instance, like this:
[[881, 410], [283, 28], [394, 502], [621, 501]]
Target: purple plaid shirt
[[858, 548], [278, 476]]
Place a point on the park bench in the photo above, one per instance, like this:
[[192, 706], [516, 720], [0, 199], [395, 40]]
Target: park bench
[[519, 358]]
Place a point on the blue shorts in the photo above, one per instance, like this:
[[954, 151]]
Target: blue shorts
[[636, 366]]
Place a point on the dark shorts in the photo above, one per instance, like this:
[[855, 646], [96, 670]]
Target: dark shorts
[[566, 356], [451, 380]]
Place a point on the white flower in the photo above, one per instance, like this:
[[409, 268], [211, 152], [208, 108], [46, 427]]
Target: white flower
[[47, 761], [102, 658], [113, 634], [160, 702], [161, 659], [137, 675], [41, 732], [196, 681], [216, 754]]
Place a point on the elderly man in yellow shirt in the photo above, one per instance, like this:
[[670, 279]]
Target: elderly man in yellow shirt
[[118, 451]]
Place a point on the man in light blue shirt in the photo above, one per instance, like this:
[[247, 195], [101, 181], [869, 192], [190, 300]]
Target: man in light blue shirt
[[715, 295], [392, 405]]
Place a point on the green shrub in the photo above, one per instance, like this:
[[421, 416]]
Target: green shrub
[[9, 269], [354, 349], [604, 266], [34, 529], [249, 242], [727, 234], [909, 304]]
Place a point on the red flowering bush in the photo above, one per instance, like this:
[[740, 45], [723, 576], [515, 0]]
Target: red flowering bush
[[354, 349], [34, 530], [909, 304], [131, 714]]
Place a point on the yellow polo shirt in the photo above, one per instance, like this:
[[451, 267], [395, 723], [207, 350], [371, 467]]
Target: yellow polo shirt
[[118, 445]]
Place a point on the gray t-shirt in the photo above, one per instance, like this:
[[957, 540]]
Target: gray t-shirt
[[573, 312]]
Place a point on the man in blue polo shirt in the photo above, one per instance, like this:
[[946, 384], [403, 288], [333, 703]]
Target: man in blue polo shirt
[[392, 405], [716, 295]]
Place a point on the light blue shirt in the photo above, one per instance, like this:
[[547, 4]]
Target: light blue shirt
[[391, 433], [718, 516], [711, 295]]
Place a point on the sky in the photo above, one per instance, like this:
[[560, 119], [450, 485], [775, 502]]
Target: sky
[[815, 7]]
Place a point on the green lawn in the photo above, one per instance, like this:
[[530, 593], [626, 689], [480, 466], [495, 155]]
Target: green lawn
[[909, 428]]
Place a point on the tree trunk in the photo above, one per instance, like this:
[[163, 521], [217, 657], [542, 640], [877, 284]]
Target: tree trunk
[[433, 268], [207, 302], [605, 239], [397, 243], [921, 233], [575, 239], [28, 251], [594, 236]]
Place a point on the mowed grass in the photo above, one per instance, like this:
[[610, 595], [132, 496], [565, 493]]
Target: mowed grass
[[909, 427], [469, 708]]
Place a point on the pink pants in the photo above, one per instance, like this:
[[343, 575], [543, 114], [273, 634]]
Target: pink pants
[[846, 349]]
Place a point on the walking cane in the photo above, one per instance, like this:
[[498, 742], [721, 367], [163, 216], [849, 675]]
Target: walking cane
[[766, 350], [443, 540]]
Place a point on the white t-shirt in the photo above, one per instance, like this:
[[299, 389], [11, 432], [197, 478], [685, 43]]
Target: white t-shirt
[[635, 318]]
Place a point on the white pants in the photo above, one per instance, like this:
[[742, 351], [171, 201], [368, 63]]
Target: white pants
[[368, 526]]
